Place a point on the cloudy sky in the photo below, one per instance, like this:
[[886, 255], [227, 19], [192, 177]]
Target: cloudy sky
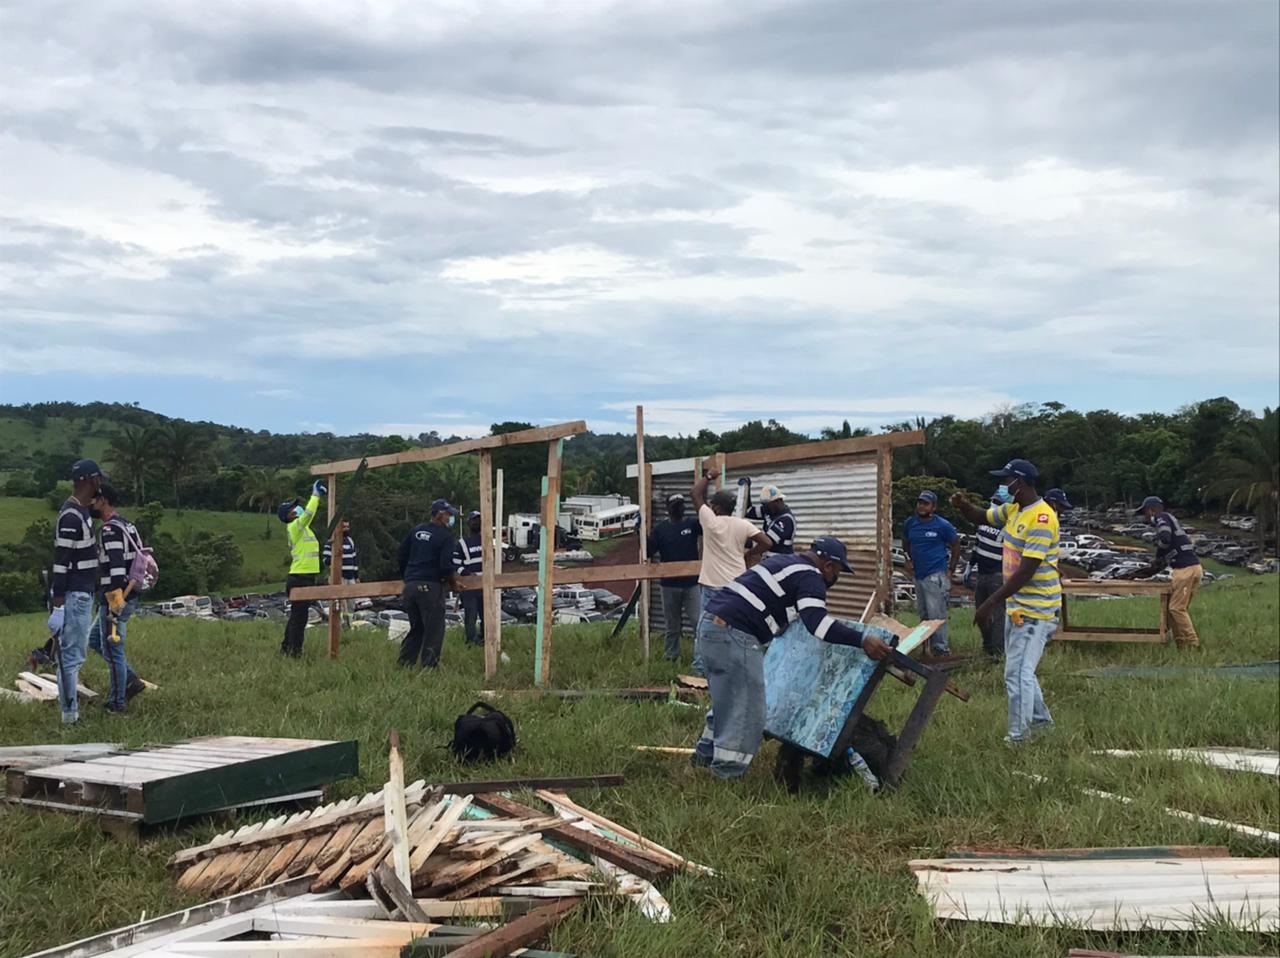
[[401, 217]]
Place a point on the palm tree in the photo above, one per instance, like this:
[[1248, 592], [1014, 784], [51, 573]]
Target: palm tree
[[263, 489], [130, 453], [1247, 470], [182, 451]]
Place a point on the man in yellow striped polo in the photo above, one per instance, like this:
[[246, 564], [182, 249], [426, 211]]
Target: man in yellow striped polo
[[1032, 591]]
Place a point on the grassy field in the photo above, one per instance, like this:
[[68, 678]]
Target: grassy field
[[823, 873], [265, 560]]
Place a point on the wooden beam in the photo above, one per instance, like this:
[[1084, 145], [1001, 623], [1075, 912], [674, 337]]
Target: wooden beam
[[884, 528], [514, 784], [395, 820], [1087, 635], [524, 436], [501, 519], [488, 568], [643, 481], [511, 937], [820, 450], [335, 568], [509, 580], [546, 564]]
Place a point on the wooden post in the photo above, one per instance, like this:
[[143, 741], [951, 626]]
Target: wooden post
[[642, 483], [720, 466], [884, 528], [546, 562], [395, 822], [500, 518], [488, 559], [335, 568]]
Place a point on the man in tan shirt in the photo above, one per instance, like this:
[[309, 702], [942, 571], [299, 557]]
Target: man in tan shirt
[[724, 538]]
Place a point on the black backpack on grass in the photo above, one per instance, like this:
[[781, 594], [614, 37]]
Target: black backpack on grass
[[482, 738]]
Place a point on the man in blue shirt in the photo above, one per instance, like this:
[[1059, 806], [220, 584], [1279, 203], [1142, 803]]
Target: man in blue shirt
[[75, 580], [932, 549], [778, 520], [988, 559], [675, 539], [426, 565], [740, 620]]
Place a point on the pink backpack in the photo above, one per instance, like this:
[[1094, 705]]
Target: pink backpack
[[143, 570]]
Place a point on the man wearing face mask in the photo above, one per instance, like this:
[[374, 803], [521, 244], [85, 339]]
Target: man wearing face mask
[[675, 539], [75, 580], [304, 563], [426, 565], [1031, 592], [740, 620], [778, 520], [932, 549]]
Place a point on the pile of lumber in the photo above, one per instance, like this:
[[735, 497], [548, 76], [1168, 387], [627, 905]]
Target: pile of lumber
[[454, 848], [37, 685]]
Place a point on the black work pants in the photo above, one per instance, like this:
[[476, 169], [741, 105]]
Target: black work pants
[[993, 632], [473, 614], [295, 628], [424, 604]]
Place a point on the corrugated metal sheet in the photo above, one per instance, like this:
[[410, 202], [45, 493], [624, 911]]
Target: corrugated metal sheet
[[1121, 895], [828, 497]]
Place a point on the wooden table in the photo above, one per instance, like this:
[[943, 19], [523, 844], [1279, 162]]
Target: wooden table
[[1095, 633]]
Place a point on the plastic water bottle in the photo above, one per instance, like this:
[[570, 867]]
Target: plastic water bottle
[[862, 770]]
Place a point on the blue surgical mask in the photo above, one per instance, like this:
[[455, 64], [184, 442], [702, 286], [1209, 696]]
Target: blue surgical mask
[[452, 521], [1002, 493]]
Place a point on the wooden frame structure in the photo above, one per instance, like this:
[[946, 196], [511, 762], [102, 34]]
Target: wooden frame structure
[[492, 580], [877, 450], [1093, 633]]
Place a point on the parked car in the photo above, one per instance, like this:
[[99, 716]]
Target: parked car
[[606, 599], [575, 617], [582, 597]]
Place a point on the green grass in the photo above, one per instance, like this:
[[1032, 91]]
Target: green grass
[[823, 873], [265, 560]]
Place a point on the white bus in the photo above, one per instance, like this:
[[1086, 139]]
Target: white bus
[[606, 524]]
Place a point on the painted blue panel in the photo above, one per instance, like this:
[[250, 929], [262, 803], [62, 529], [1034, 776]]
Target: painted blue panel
[[811, 686]]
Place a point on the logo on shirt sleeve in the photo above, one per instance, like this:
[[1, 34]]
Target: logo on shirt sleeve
[[1043, 517]]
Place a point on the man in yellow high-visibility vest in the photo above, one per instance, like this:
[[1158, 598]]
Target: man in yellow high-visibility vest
[[304, 562]]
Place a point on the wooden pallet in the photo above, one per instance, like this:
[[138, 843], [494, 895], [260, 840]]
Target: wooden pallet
[[179, 781]]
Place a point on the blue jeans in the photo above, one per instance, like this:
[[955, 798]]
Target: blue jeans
[[681, 606], [931, 603], [73, 642], [734, 727], [113, 652], [705, 592], [1023, 646]]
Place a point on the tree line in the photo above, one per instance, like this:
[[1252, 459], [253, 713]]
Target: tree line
[[1207, 455]]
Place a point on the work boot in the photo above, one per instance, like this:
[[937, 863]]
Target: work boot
[[133, 688]]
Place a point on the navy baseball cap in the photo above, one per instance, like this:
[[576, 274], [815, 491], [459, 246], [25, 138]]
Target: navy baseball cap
[[442, 505], [1019, 469], [928, 496], [473, 514], [1151, 502], [1057, 495], [829, 547], [85, 469], [284, 511]]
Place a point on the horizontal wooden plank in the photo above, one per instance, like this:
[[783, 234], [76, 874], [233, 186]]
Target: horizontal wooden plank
[[1082, 635], [1114, 587], [541, 434], [824, 449], [511, 784], [506, 580]]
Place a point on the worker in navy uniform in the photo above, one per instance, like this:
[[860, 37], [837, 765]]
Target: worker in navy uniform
[[1175, 552], [988, 559], [740, 620], [426, 566], [675, 539], [468, 559], [350, 566], [777, 520]]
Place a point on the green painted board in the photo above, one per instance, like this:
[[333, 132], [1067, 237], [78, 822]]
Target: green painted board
[[254, 779]]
